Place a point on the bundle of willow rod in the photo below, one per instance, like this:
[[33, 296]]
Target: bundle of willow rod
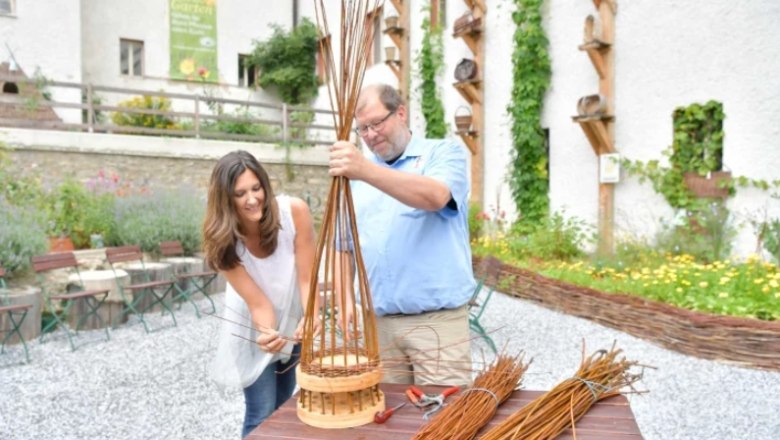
[[339, 349], [475, 406], [600, 376]]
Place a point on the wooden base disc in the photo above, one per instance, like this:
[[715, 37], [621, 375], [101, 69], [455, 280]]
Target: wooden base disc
[[338, 383], [319, 410]]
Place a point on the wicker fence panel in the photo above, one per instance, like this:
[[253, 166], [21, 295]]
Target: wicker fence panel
[[743, 341]]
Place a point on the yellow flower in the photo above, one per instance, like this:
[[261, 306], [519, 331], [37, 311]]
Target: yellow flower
[[724, 280], [765, 289], [758, 281], [187, 66], [703, 284], [774, 283], [723, 295], [679, 290]]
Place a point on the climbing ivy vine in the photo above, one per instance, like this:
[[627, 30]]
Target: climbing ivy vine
[[530, 79], [431, 60]]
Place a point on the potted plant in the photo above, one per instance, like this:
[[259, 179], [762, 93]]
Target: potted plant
[[76, 214]]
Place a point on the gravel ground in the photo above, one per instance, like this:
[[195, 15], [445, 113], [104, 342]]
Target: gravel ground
[[140, 386]]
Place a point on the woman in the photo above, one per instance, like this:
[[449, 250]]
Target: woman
[[264, 247]]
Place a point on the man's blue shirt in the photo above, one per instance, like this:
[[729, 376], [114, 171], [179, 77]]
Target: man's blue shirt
[[416, 260]]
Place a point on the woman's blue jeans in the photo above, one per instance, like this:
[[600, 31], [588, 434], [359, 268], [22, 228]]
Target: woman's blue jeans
[[271, 389]]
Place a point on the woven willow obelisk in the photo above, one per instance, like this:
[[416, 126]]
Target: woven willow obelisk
[[339, 369]]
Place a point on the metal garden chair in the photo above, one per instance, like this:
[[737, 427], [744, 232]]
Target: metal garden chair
[[16, 314], [478, 301], [135, 295], [92, 299], [189, 283]]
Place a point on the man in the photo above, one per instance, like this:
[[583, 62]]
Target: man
[[411, 209]]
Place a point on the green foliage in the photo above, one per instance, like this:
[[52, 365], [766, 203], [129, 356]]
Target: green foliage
[[242, 124], [22, 235], [706, 234], [431, 61], [697, 147], [78, 213], [556, 238], [698, 138], [287, 61], [145, 102], [148, 219], [301, 120], [771, 238], [16, 189], [475, 222], [531, 77], [748, 289]]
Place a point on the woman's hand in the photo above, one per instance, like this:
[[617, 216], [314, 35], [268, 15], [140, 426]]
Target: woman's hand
[[270, 341], [298, 336]]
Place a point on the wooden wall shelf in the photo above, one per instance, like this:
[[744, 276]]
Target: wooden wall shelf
[[476, 4], [396, 34], [470, 90], [470, 26], [395, 66], [596, 51], [471, 36], [595, 129], [471, 139]]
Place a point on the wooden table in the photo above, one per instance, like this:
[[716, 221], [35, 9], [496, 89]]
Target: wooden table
[[609, 419]]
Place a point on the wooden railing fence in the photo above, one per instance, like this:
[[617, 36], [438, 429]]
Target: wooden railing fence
[[184, 115]]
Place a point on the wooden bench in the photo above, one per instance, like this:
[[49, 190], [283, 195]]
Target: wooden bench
[[91, 299], [16, 314], [136, 293], [190, 282]]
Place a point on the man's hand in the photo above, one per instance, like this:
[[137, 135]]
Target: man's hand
[[348, 161]]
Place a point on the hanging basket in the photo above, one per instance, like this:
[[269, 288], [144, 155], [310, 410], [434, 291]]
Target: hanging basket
[[466, 70], [463, 120], [463, 21], [713, 185], [592, 105], [391, 22]]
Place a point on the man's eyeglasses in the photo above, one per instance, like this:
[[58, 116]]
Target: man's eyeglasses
[[375, 127]]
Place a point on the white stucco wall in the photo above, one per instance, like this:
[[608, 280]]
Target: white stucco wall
[[44, 37], [692, 52], [239, 23]]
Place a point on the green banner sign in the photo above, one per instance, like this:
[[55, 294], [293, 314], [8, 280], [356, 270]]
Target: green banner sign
[[194, 40]]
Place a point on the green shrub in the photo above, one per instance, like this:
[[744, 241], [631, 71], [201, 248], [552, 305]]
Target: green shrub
[[244, 126], [145, 102], [475, 221], [75, 211], [148, 219], [771, 236], [22, 235], [706, 234], [556, 238]]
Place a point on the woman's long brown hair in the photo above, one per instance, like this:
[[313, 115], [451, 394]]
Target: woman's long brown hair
[[221, 227]]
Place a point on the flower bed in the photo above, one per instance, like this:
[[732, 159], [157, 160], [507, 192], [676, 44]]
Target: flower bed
[[748, 342]]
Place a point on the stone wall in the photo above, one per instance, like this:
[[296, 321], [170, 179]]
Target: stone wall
[[53, 167], [154, 162]]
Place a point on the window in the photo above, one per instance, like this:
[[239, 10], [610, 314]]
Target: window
[[131, 57], [6, 7], [322, 60], [247, 72]]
